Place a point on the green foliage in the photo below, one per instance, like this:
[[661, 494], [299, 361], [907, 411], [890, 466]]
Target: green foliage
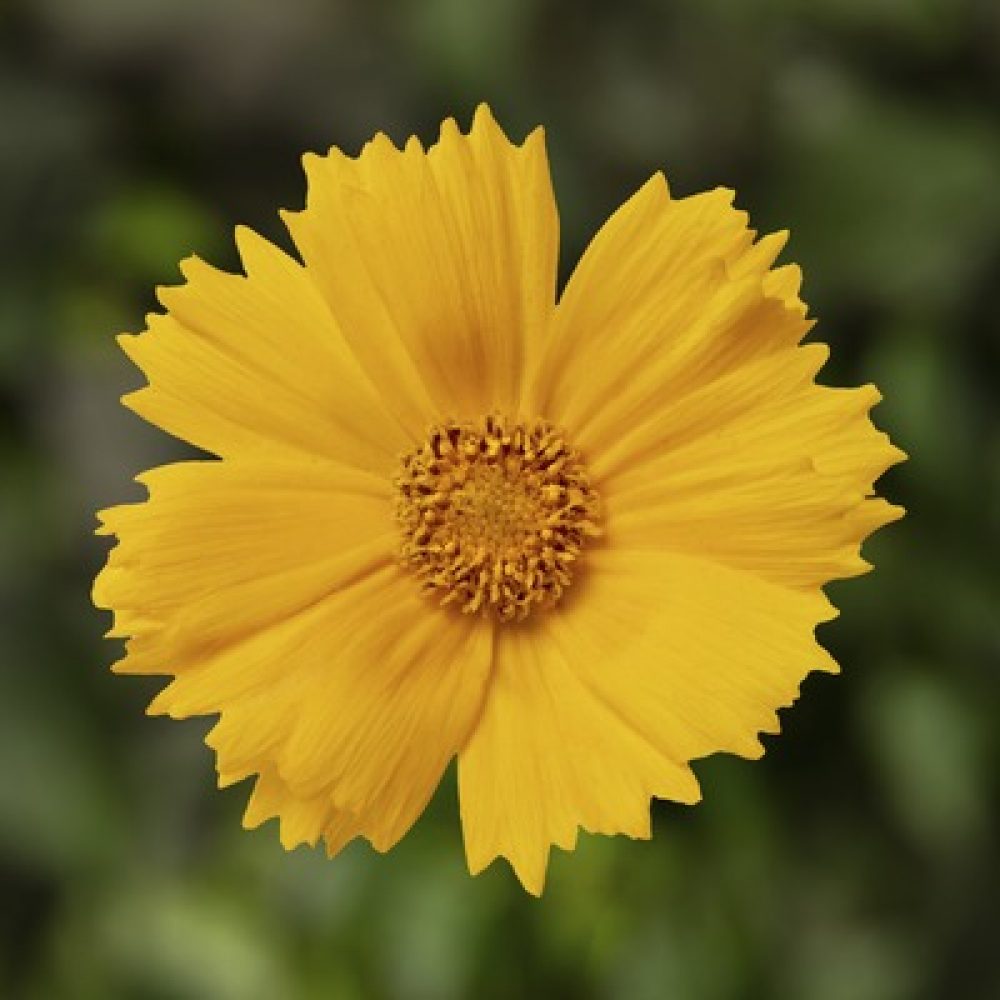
[[858, 860]]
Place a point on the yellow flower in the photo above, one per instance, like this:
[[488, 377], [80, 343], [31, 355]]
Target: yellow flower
[[575, 542]]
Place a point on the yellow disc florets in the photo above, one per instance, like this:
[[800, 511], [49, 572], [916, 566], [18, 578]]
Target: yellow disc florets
[[494, 513]]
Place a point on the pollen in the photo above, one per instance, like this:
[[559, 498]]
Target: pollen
[[494, 515]]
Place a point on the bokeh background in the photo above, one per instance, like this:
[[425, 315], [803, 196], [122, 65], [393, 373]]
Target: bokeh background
[[858, 860]]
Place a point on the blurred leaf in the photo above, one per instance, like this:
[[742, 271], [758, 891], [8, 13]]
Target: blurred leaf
[[931, 24], [469, 44], [852, 961], [927, 745], [901, 204], [173, 941], [141, 233], [59, 809], [927, 408]]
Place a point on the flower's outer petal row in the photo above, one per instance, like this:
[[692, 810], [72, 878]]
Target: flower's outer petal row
[[703, 426], [589, 715], [304, 820], [376, 694], [440, 266], [761, 470], [223, 549], [255, 366], [334, 679], [668, 295]]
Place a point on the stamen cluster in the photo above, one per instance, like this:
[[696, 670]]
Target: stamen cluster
[[494, 513]]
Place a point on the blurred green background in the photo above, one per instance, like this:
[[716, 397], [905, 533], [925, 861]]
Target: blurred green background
[[858, 861]]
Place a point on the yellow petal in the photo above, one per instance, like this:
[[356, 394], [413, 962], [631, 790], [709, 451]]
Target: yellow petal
[[703, 426], [669, 296], [349, 711], [221, 549], [440, 267], [762, 470], [301, 820], [255, 366], [653, 660]]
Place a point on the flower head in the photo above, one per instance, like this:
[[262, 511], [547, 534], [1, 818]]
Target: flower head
[[575, 541]]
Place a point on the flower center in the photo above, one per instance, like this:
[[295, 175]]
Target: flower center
[[494, 513]]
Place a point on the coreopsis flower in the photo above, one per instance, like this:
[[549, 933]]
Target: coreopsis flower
[[576, 541]]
